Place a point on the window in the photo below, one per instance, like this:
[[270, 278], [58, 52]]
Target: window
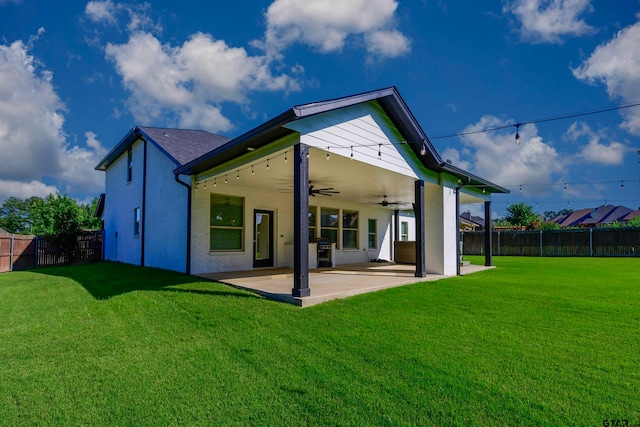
[[313, 216], [373, 234], [227, 223], [404, 231], [129, 161], [350, 229], [136, 222], [329, 224]]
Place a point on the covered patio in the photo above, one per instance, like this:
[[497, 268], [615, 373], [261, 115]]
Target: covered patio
[[328, 283]]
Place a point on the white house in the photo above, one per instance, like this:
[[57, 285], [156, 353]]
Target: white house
[[339, 170]]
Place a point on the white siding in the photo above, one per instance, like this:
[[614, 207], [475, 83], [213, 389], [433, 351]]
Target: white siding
[[202, 260], [362, 127]]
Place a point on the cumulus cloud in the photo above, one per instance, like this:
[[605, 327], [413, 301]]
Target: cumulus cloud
[[101, 11], [32, 140], [595, 151], [495, 156], [548, 21], [326, 25], [616, 64]]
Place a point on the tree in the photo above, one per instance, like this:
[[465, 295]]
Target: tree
[[634, 222], [521, 214], [15, 215]]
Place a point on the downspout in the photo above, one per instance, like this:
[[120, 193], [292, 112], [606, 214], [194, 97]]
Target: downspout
[[188, 254], [144, 199]]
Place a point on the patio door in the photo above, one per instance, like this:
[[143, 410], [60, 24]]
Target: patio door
[[262, 238]]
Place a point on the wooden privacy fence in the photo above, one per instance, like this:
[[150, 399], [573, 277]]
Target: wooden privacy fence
[[19, 252], [616, 242]]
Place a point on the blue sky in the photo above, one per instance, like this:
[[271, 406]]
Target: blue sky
[[75, 76]]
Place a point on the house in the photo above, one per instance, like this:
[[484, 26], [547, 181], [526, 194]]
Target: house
[[470, 222], [628, 217], [325, 170]]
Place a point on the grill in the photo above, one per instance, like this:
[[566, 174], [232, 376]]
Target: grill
[[324, 252]]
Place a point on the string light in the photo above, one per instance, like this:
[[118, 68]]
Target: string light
[[521, 188], [517, 125], [565, 186], [226, 181], [205, 185], [423, 149], [328, 153], [351, 153], [196, 187], [622, 184], [267, 164], [214, 182], [238, 174], [251, 169], [285, 157], [380, 151]]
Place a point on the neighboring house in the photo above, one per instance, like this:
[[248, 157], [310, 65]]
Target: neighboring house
[[470, 222], [262, 199], [574, 218], [605, 215], [628, 217]]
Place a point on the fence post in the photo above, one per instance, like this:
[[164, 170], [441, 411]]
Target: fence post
[[540, 242], [590, 241], [498, 243], [11, 253]]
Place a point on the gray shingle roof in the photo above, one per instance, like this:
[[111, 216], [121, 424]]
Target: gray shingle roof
[[185, 145], [180, 145]]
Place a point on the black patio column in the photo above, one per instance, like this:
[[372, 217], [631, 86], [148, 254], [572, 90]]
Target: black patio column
[[300, 221], [396, 231], [488, 244], [458, 252], [421, 266]]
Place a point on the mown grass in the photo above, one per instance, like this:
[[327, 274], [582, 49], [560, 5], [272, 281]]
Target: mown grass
[[536, 341]]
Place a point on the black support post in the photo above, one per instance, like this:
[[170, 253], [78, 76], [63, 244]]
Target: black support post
[[458, 252], [421, 266], [300, 221], [396, 231], [488, 244]]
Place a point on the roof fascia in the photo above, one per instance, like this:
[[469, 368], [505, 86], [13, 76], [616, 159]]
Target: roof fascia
[[116, 151]]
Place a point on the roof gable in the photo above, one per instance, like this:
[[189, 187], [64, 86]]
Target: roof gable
[[179, 145]]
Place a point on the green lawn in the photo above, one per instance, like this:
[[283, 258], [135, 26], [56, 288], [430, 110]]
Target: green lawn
[[536, 341]]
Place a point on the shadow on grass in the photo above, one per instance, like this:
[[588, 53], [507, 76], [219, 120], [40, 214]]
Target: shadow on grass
[[106, 279]]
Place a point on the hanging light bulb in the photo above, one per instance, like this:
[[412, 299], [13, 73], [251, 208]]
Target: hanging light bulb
[[285, 157], [521, 188], [196, 187], [226, 181], [215, 184], [517, 125], [423, 149], [565, 186], [328, 153], [267, 164], [352, 152], [484, 190], [251, 169], [622, 184], [238, 174], [205, 185], [380, 151]]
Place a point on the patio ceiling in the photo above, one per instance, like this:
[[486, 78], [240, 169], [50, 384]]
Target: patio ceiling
[[357, 182]]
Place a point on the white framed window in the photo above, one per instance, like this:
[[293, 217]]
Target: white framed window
[[329, 224], [404, 231], [226, 223], [373, 234], [350, 229]]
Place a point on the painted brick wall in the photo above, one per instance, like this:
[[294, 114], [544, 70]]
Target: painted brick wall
[[282, 204], [166, 216], [121, 199]]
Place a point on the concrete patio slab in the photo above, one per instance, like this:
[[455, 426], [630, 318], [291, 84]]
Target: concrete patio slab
[[327, 284]]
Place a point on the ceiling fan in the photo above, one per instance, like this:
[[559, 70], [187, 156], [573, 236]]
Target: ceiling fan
[[321, 191], [384, 203]]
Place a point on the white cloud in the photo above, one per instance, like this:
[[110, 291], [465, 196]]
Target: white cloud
[[327, 24], [101, 11], [548, 21], [594, 151], [24, 190], [616, 64], [187, 83], [495, 156], [32, 140]]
